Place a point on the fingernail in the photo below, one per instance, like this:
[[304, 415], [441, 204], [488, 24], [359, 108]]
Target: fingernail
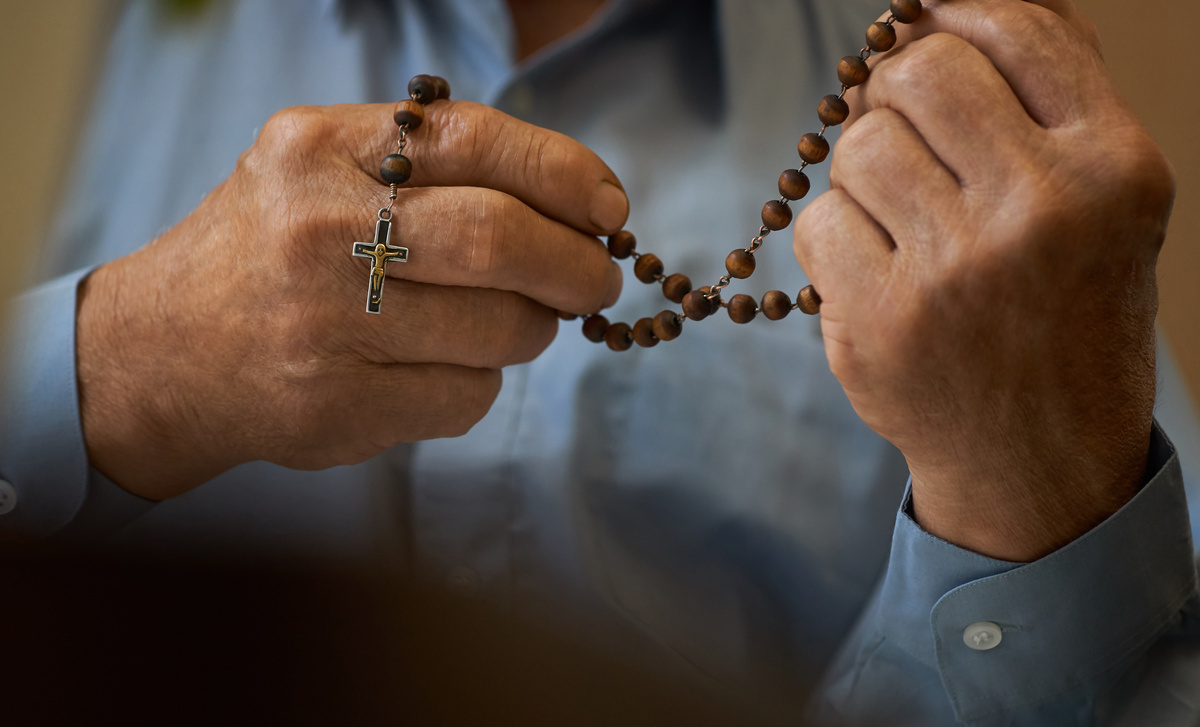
[[616, 280], [610, 207]]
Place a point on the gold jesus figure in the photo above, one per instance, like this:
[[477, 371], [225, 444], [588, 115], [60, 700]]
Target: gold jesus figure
[[380, 253]]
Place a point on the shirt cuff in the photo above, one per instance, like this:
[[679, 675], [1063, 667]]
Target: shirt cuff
[[43, 460], [1070, 620]]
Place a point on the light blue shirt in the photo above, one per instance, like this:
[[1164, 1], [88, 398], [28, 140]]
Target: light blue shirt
[[717, 496]]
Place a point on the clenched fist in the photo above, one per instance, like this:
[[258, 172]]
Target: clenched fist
[[986, 260], [240, 334]]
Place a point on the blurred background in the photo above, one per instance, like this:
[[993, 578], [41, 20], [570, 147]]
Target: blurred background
[[311, 647]]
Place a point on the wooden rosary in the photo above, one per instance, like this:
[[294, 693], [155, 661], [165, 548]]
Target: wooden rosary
[[396, 170], [699, 303]]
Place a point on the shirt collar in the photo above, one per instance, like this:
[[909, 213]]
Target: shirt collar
[[753, 39]]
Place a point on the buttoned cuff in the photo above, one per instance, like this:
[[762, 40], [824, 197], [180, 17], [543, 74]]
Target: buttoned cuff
[[43, 460], [1006, 635]]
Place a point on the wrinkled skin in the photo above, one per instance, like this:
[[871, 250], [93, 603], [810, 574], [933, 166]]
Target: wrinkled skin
[[986, 258], [240, 334]]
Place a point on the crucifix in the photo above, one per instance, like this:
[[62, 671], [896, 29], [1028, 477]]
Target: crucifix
[[380, 253]]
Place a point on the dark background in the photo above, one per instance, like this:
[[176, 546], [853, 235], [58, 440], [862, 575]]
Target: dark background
[[87, 640]]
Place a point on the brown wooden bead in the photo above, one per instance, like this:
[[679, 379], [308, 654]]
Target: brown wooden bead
[[562, 314], [833, 110], [619, 337], [776, 305], [793, 184], [668, 325], [853, 71], [775, 216], [422, 88], [740, 264], [906, 11], [813, 148], [647, 268], [697, 307], [742, 308], [808, 300], [643, 333], [676, 286], [881, 37], [594, 328], [395, 169], [622, 244], [409, 112], [443, 87]]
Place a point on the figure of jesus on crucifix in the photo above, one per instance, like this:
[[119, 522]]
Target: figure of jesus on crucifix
[[380, 253]]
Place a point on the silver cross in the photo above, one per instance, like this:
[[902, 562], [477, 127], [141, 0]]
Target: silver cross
[[381, 253]]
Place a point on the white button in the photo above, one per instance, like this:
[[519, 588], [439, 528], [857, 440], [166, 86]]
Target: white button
[[462, 580], [8, 498], [982, 636]]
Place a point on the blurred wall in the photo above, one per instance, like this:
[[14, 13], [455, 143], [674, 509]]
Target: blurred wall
[[1146, 44], [47, 54], [45, 72]]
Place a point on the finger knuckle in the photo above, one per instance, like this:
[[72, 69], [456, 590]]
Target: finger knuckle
[[1023, 20], [463, 140], [1146, 176], [863, 145], [289, 137], [1126, 181], [295, 130], [474, 225], [538, 162], [252, 162], [923, 63], [486, 223], [815, 228], [821, 216]]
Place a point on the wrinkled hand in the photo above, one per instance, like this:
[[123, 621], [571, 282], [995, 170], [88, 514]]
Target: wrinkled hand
[[986, 260], [240, 334]]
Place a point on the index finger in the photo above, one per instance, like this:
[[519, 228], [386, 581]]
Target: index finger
[[1045, 50], [471, 145]]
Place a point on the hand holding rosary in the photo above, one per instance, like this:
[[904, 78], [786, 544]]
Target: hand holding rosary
[[697, 304]]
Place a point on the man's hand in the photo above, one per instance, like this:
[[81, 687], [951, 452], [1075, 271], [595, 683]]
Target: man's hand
[[986, 263], [240, 334]]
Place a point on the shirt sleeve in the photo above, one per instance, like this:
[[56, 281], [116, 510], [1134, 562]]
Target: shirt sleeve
[[44, 472], [954, 637]]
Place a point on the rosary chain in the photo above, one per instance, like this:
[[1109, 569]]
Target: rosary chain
[[777, 214]]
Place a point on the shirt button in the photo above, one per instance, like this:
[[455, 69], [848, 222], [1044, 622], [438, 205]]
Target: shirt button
[[8, 497], [462, 580], [982, 636]]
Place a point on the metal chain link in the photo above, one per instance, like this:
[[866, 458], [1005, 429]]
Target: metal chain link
[[401, 142]]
